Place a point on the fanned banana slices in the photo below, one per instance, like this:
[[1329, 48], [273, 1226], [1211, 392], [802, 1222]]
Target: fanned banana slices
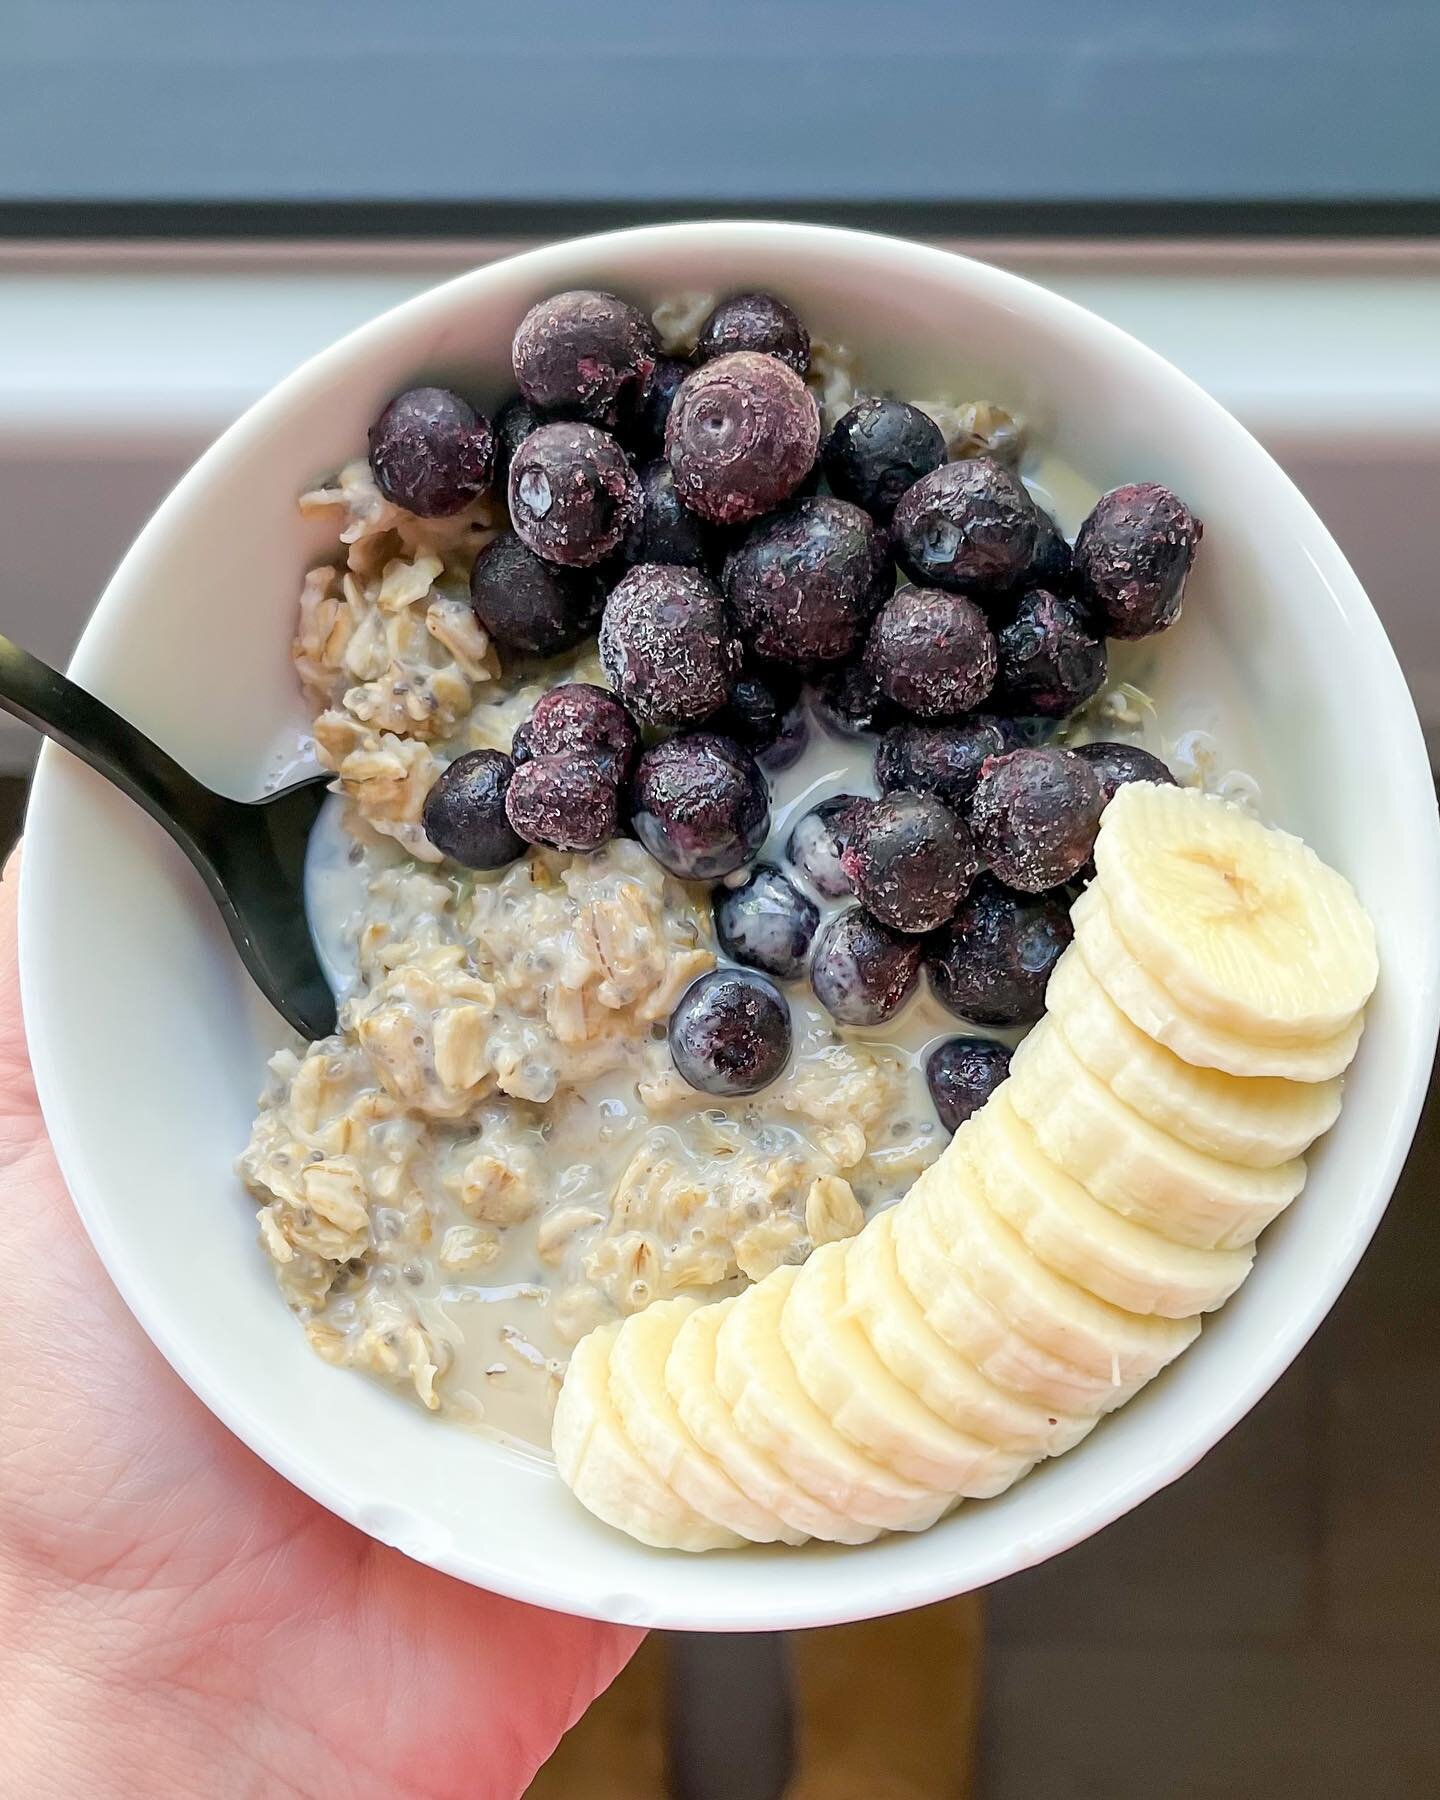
[[1058, 1255]]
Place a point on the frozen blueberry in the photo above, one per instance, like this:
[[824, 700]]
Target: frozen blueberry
[[767, 923], [1116, 765], [849, 702], [464, 813], [666, 531], [755, 322], [587, 355], [990, 964], [862, 972], [667, 645], [969, 526], [1024, 733], [1035, 815], [514, 422], [818, 841], [878, 450], [566, 802], [932, 653], [529, 605], [741, 436], [660, 392], [1049, 661], [431, 452], [521, 749], [767, 716], [804, 585], [962, 1074], [1052, 564], [730, 1033], [1132, 555], [943, 760], [910, 860], [579, 716], [788, 745], [573, 493], [701, 807]]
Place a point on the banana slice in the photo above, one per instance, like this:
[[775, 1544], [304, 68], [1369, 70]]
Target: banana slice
[[945, 1380], [943, 1284], [1100, 1250], [1260, 1121], [605, 1472], [1133, 1167], [1245, 927], [865, 1403], [1103, 1341], [650, 1419], [690, 1379], [755, 1377], [1147, 1005]]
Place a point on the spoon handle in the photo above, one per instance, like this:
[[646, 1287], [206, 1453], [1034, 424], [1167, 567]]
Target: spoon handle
[[48, 700]]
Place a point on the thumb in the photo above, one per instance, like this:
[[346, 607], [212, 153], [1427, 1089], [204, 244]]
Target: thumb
[[17, 1086]]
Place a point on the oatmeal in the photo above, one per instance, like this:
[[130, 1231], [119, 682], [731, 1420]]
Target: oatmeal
[[495, 1154], [388, 648], [503, 1145]]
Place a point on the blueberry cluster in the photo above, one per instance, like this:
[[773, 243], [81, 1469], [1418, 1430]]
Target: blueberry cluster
[[745, 578]]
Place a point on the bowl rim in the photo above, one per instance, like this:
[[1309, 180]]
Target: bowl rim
[[923, 1581]]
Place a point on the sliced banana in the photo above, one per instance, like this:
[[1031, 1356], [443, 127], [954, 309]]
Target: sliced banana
[[1147, 1005], [690, 1378], [1244, 926], [1101, 1251], [757, 1380], [650, 1419], [1102, 1340], [1131, 1165], [606, 1473], [1260, 1121], [866, 1403], [942, 1282], [1055, 1258], [947, 1381]]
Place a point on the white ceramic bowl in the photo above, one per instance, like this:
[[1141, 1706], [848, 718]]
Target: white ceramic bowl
[[149, 1043]]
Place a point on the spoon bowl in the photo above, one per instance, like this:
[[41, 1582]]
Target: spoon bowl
[[249, 853]]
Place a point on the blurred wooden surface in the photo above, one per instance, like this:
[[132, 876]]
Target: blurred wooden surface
[[1269, 1627], [887, 1710]]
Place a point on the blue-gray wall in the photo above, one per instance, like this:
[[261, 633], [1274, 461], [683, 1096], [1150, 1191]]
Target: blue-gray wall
[[1014, 103]]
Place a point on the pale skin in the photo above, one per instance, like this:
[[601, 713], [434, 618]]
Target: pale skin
[[175, 1619]]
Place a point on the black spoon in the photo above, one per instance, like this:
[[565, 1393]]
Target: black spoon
[[250, 853]]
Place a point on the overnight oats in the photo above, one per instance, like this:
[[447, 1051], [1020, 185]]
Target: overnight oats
[[719, 750]]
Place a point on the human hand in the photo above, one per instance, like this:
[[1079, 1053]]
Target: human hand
[[175, 1618]]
